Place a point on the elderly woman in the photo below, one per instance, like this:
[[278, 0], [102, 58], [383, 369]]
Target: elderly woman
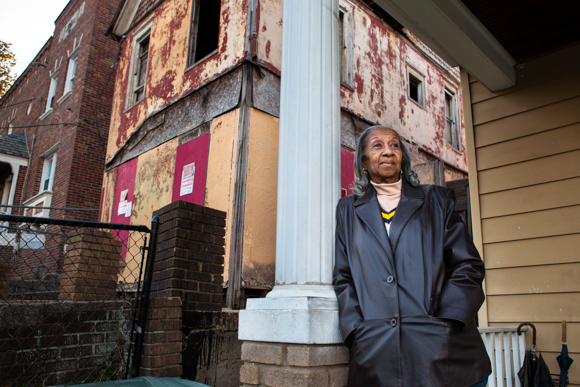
[[407, 276]]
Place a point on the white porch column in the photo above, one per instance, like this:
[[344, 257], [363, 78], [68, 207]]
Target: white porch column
[[302, 307]]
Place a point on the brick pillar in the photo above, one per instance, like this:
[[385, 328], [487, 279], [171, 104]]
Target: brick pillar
[[90, 266], [189, 260], [295, 365], [162, 348]]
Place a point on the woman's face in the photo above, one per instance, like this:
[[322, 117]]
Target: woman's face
[[383, 156]]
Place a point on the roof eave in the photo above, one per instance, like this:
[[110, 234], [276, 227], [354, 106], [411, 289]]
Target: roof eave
[[457, 36]]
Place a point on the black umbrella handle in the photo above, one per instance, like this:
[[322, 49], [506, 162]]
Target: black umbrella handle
[[519, 331]]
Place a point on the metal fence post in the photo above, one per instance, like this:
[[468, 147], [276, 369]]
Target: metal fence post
[[140, 334]]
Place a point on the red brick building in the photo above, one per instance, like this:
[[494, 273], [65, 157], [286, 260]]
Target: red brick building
[[62, 103], [54, 120]]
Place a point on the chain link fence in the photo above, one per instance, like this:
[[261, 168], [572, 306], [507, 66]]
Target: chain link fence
[[69, 299]]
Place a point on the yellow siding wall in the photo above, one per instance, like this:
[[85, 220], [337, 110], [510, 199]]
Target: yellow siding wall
[[221, 171], [527, 142], [259, 250]]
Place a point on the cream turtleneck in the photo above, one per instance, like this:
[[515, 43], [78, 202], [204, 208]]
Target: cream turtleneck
[[388, 195]]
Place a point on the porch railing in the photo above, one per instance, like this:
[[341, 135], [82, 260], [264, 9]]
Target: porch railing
[[506, 351]]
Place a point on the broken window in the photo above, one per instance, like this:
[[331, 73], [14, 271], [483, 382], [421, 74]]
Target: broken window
[[205, 30], [416, 87], [451, 120]]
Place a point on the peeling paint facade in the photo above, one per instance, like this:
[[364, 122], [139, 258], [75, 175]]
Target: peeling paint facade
[[221, 114]]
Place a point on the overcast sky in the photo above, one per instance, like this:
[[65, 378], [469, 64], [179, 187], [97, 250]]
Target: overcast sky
[[28, 24]]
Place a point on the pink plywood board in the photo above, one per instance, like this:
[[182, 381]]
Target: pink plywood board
[[346, 170], [125, 181], [193, 151]]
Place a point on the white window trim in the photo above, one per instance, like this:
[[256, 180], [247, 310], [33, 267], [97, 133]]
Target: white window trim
[[10, 126], [144, 32], [347, 45], [70, 78], [422, 95], [454, 109], [48, 157], [51, 94], [45, 198]]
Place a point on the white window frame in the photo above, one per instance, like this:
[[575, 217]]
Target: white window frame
[[10, 126], [455, 138], [48, 169], [70, 74], [346, 48], [415, 76], [51, 92], [142, 34]]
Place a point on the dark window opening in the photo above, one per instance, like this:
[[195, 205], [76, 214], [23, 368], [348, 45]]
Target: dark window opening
[[205, 29], [416, 91]]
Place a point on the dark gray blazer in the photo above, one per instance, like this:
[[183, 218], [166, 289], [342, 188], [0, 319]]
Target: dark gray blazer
[[408, 301]]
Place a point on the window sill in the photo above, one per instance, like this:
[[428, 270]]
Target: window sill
[[129, 107], [65, 96], [208, 56], [454, 149], [46, 114], [416, 103], [347, 86], [45, 199]]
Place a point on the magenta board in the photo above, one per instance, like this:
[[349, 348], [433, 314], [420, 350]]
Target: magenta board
[[125, 182], [346, 170], [189, 180]]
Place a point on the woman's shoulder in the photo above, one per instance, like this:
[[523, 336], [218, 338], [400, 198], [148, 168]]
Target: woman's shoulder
[[437, 193], [346, 201]]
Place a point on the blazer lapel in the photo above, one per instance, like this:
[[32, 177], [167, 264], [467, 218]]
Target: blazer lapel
[[411, 200], [367, 208]]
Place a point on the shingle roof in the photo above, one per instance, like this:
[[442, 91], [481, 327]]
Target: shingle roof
[[14, 144]]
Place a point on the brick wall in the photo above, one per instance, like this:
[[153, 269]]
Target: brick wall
[[60, 343], [189, 260], [189, 265], [78, 122], [285, 365], [91, 266], [163, 339]]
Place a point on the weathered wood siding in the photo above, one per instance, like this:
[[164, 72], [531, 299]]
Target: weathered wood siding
[[527, 146]]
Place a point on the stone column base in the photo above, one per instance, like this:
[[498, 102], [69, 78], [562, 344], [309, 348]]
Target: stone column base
[[294, 365]]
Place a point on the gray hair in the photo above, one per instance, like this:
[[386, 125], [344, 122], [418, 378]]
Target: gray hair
[[362, 180]]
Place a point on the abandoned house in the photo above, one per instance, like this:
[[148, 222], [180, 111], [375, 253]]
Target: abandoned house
[[196, 115]]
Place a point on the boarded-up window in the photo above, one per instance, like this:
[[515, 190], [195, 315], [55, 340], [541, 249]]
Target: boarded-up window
[[205, 30]]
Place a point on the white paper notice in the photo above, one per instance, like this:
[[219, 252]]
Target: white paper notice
[[123, 203], [187, 179], [128, 209]]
